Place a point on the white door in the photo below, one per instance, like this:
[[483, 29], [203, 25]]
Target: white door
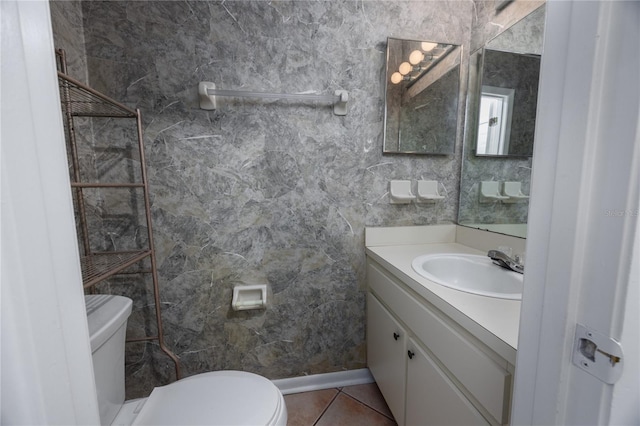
[[583, 219]]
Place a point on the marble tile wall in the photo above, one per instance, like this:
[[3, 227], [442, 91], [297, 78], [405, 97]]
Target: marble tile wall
[[68, 33], [487, 22], [264, 191]]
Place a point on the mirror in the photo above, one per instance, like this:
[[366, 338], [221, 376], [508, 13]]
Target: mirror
[[421, 98], [506, 86], [501, 105], [508, 101]]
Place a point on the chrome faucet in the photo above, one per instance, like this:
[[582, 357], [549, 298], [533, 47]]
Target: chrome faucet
[[501, 259]]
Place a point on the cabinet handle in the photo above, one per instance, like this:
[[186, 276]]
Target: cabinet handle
[[396, 336], [410, 354]]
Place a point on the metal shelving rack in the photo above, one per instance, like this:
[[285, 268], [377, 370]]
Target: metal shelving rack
[[80, 100]]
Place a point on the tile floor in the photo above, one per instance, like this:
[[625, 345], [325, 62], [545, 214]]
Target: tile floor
[[349, 405]]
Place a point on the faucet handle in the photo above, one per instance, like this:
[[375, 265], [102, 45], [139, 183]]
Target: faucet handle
[[519, 258], [506, 250]]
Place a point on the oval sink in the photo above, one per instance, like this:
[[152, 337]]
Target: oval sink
[[470, 273]]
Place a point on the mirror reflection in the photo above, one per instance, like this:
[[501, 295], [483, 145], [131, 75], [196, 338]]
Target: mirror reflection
[[421, 99], [508, 101], [499, 133]]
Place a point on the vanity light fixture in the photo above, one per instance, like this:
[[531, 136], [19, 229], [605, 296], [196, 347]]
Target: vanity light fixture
[[403, 73], [428, 46], [416, 57], [418, 62], [405, 68], [397, 78]]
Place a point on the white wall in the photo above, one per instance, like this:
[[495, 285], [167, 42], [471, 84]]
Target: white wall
[[47, 376]]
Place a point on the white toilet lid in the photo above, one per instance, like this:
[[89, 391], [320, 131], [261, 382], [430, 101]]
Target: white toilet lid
[[216, 398]]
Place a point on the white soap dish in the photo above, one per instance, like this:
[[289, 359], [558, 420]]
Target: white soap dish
[[400, 192], [490, 192], [513, 190], [428, 191]]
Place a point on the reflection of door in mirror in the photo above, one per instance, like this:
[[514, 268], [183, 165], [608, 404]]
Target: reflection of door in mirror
[[494, 123], [511, 80]]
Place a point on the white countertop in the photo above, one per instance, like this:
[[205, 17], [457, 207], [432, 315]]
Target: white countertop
[[493, 321]]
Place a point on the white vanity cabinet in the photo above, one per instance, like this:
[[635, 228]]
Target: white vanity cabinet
[[430, 370]]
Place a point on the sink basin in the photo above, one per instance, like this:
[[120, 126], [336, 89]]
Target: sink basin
[[470, 273]]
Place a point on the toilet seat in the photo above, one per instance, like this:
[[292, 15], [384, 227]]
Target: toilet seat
[[215, 398]]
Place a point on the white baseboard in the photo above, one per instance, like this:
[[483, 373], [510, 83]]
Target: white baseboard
[[324, 381]]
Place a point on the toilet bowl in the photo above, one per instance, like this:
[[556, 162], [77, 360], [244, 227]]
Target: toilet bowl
[[215, 398]]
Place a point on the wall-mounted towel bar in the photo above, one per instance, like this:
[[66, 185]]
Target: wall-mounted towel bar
[[208, 93]]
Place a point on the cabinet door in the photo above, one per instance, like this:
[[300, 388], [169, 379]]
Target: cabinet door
[[386, 355], [432, 399]]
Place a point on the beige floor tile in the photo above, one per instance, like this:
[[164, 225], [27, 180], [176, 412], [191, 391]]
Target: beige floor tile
[[304, 409], [348, 412], [370, 395]]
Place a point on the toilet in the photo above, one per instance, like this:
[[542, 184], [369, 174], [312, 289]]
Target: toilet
[[215, 398]]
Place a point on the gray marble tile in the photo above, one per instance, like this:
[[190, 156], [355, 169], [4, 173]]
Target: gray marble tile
[[68, 34]]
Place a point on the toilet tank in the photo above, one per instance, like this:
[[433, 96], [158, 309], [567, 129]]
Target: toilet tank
[[107, 317]]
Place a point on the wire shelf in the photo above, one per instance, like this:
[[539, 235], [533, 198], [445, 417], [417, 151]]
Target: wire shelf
[[80, 100], [97, 267], [83, 101]]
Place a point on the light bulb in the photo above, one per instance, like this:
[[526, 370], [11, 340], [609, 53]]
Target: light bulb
[[428, 46], [396, 77], [405, 68], [416, 57]]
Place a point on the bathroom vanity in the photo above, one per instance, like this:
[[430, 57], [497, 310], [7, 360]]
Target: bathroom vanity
[[438, 355]]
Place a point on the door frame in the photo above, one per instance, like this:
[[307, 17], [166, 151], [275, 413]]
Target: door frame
[[583, 218], [47, 372]]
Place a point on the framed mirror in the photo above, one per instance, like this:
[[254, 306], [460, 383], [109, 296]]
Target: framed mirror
[[421, 98], [499, 131]]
